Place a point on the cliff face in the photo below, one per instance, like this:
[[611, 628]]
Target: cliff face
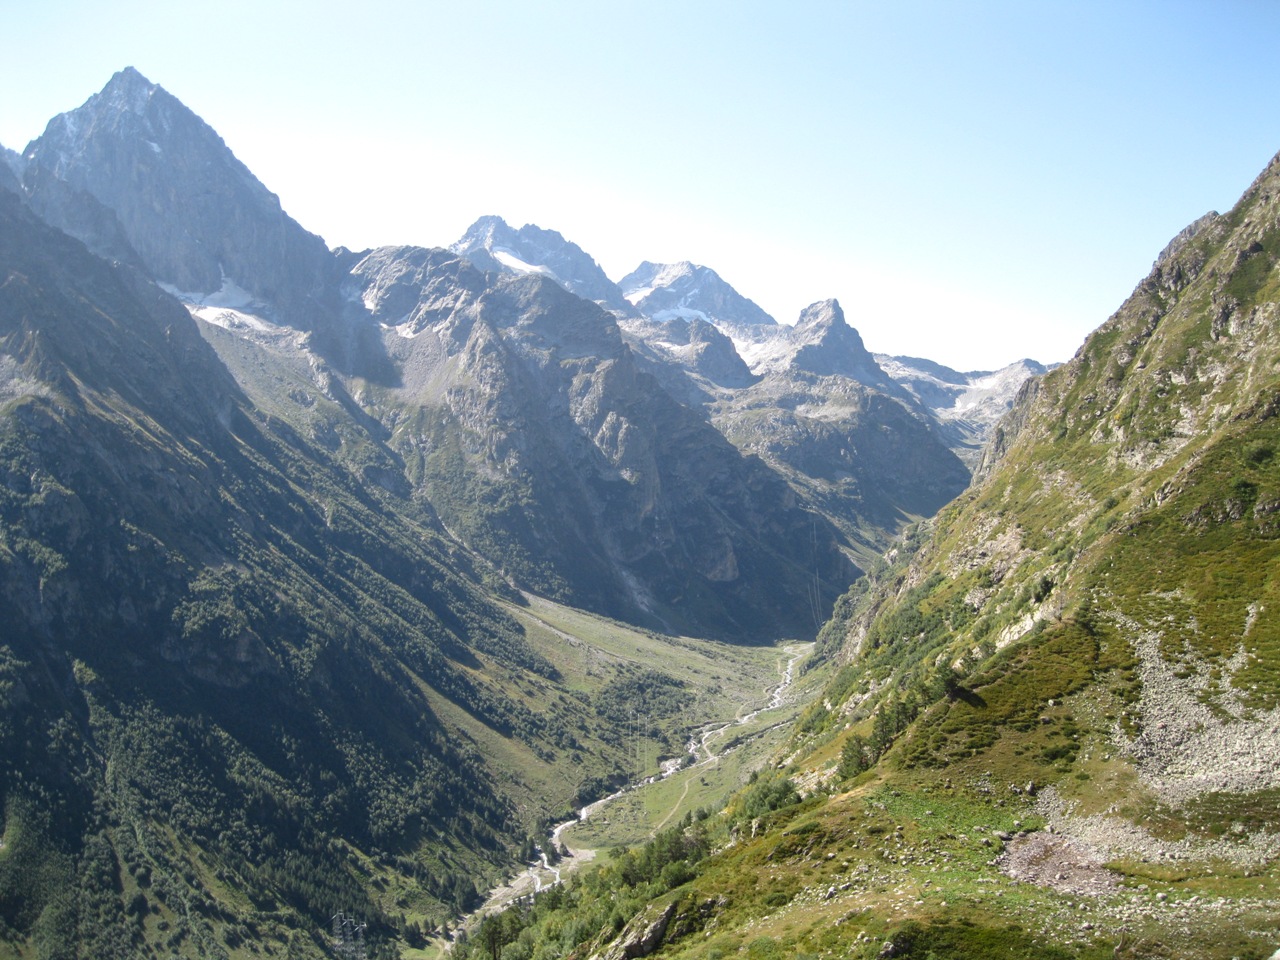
[[525, 420], [194, 213]]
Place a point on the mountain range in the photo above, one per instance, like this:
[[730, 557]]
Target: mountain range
[[1050, 724], [288, 532], [272, 513]]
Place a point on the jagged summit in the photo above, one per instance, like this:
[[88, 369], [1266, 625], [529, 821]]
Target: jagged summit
[[823, 314], [493, 244], [128, 89], [194, 213], [684, 290], [822, 342], [129, 102]]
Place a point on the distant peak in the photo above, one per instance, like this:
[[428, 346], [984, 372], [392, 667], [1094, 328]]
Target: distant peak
[[131, 75], [668, 272], [824, 312], [129, 89], [492, 228], [650, 274], [487, 222]]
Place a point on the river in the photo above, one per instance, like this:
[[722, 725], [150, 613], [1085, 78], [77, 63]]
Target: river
[[699, 752]]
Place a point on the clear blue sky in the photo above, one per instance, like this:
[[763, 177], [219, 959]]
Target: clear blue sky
[[974, 181]]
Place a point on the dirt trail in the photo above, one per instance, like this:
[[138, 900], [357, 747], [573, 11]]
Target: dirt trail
[[674, 807]]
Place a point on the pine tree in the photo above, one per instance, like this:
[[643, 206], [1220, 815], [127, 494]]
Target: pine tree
[[853, 757]]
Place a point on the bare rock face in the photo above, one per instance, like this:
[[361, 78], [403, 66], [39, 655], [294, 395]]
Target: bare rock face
[[491, 244], [690, 291], [641, 936], [826, 345], [844, 443], [78, 214], [690, 347], [809, 400], [194, 213], [598, 486]]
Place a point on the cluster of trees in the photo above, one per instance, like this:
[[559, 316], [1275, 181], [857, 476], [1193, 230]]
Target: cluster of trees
[[894, 714], [130, 821], [643, 697], [592, 908], [764, 794], [593, 905]]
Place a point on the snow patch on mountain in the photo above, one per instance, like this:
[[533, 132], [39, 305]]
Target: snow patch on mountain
[[764, 349], [663, 291], [237, 321], [510, 259], [406, 330], [230, 307], [680, 313], [662, 275], [980, 396]]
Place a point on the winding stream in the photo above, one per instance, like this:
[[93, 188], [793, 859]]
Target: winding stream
[[699, 752]]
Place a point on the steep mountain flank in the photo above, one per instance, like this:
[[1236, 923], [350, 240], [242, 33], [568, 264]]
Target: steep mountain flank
[[194, 213], [1052, 724], [860, 457], [191, 656], [1091, 617], [849, 439], [525, 420], [854, 445]]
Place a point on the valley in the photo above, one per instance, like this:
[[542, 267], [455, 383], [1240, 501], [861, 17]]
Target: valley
[[528, 615], [721, 754]]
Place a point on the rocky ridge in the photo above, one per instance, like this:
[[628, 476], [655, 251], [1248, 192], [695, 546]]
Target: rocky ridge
[[704, 335], [968, 406], [196, 215], [689, 291], [493, 245]]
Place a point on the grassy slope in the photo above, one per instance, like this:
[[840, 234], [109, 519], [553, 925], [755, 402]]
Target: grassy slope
[[1066, 686]]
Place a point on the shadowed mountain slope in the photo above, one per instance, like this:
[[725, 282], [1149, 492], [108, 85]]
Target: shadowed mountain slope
[[525, 420], [517, 414]]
